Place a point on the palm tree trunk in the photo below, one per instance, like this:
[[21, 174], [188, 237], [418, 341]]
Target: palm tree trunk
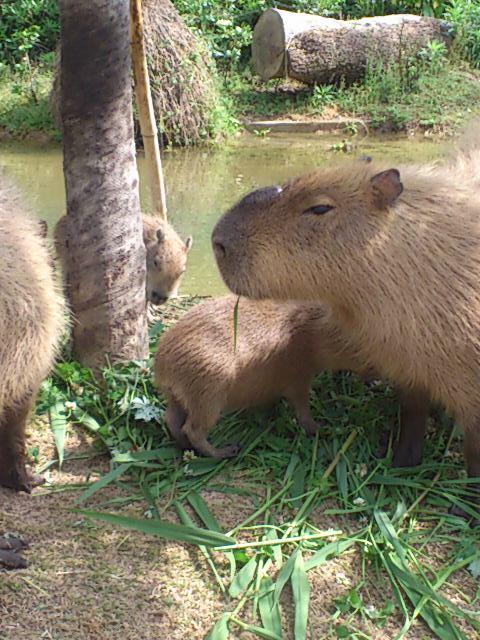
[[106, 254]]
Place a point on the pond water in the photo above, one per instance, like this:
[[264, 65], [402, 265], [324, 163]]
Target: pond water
[[202, 183]]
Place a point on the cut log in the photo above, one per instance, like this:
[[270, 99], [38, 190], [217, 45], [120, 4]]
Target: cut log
[[314, 49]]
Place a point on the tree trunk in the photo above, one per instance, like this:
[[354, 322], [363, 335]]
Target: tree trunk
[[314, 49], [106, 262]]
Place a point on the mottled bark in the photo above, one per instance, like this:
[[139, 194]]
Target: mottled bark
[[106, 254], [313, 49]]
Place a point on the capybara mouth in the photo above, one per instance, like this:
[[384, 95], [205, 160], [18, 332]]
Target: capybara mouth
[[155, 298]]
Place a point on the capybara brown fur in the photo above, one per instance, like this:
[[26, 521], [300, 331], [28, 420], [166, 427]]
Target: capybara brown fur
[[31, 323], [395, 252], [279, 349], [166, 255]]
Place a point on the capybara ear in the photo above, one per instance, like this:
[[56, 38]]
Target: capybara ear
[[387, 186], [43, 228], [188, 243], [160, 235]]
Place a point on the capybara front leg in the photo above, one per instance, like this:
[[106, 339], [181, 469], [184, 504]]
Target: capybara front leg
[[298, 397], [471, 447], [414, 412], [13, 473], [198, 437]]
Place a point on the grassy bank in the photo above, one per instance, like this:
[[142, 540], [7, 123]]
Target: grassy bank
[[322, 535], [24, 102], [439, 101]]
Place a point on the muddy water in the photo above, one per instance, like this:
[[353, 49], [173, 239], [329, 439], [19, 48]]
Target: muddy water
[[201, 184]]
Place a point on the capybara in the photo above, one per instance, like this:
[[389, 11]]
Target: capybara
[[279, 349], [395, 252], [31, 323], [166, 255]]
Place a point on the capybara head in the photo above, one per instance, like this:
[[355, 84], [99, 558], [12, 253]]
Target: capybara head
[[166, 258], [296, 241]]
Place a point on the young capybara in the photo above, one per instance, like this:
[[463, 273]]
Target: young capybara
[[279, 349], [395, 252], [166, 255], [31, 323]]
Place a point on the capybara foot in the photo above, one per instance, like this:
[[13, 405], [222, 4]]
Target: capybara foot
[[311, 427], [35, 479], [9, 556], [406, 456], [11, 560], [16, 478], [230, 451], [456, 510], [382, 446]]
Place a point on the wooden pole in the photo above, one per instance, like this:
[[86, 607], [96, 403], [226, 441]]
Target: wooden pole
[[146, 116]]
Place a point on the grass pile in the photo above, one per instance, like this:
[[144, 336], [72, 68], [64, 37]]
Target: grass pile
[[310, 502]]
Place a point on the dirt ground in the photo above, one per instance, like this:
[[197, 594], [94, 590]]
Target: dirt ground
[[88, 581]]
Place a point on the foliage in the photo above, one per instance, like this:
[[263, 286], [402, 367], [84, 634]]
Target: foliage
[[27, 27], [24, 99], [292, 483], [227, 27], [427, 90], [465, 16]]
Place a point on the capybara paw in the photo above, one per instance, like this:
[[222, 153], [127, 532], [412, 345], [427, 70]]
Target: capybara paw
[[11, 560], [35, 479], [230, 451], [406, 458], [16, 479], [382, 446], [311, 427], [456, 510], [9, 556]]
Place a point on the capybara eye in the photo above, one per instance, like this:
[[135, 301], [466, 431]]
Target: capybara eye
[[320, 209]]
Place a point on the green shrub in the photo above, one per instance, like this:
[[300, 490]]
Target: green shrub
[[27, 27], [465, 16]]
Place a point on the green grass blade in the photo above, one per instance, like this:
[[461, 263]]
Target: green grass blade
[[269, 608], [284, 576], [220, 629], [86, 420], [329, 551], [185, 518], [58, 425], [301, 597], [200, 507], [165, 453], [167, 530], [243, 578], [258, 631], [235, 324], [103, 482], [389, 533]]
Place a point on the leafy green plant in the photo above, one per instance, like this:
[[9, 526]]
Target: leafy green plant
[[27, 27], [465, 17]]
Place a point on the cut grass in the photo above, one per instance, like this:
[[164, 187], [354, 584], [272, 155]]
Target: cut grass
[[312, 501]]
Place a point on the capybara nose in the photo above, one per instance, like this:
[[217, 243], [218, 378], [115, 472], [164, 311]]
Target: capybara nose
[[219, 246], [157, 298]]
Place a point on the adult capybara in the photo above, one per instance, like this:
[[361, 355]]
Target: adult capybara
[[166, 255], [279, 349], [31, 323], [394, 251]]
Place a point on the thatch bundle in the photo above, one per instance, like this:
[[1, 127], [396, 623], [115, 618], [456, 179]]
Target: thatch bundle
[[182, 76]]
